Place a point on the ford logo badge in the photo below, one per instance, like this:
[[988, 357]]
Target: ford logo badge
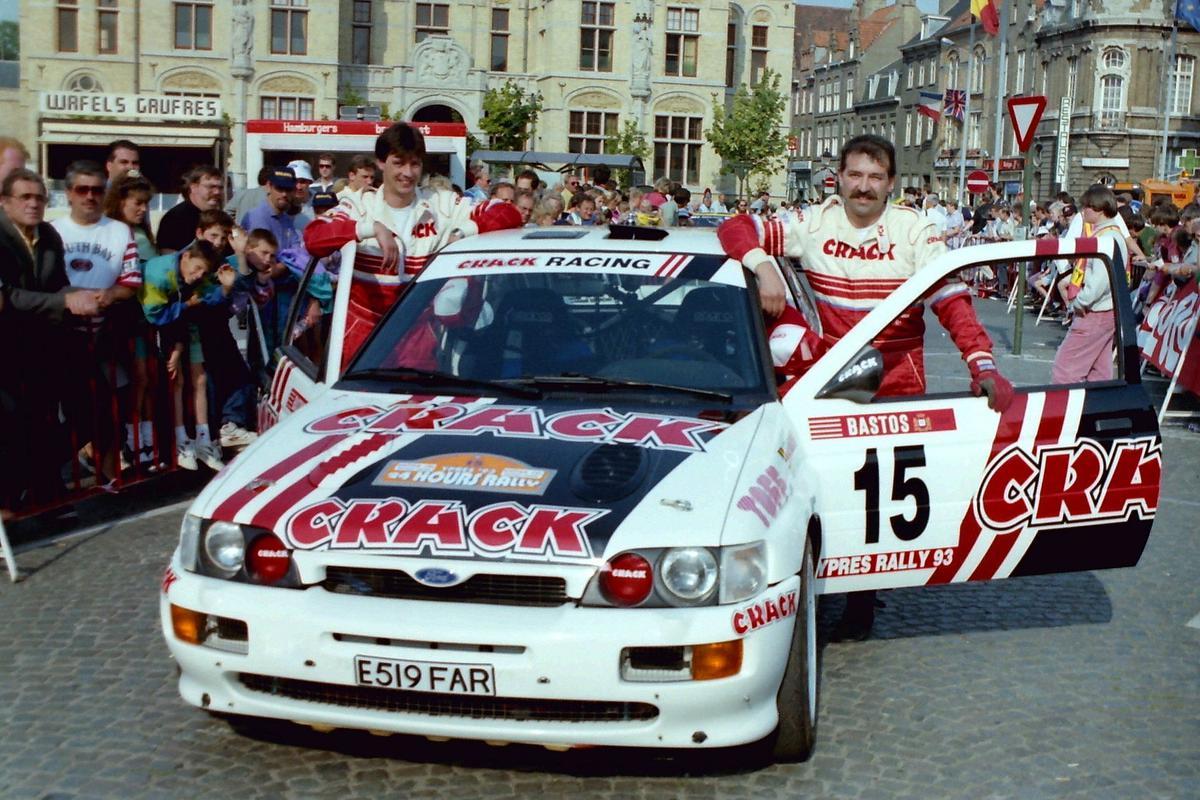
[[435, 576]]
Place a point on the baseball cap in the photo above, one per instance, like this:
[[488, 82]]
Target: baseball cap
[[323, 200], [301, 169], [282, 178]]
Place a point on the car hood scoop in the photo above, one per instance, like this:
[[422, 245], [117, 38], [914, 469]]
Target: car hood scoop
[[610, 472]]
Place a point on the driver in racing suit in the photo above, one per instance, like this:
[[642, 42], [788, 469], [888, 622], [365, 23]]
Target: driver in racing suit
[[401, 225], [856, 249]]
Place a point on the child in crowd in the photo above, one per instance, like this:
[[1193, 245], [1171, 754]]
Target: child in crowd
[[128, 201], [175, 287], [583, 211], [261, 259], [647, 214]]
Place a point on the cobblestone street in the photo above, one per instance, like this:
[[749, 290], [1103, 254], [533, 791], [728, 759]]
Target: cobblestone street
[[1082, 685]]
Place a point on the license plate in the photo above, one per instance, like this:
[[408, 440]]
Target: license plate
[[425, 676]]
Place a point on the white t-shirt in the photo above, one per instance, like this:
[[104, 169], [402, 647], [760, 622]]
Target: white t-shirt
[[99, 256]]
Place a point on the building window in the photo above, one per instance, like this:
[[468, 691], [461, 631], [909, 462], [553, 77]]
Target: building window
[[499, 61], [1020, 78], [68, 26], [1114, 58], [589, 129], [597, 20], [758, 53], [921, 74], [1112, 102], [677, 144], [289, 27], [433, 19], [360, 45], [1179, 93], [908, 84], [952, 65], [106, 27], [84, 83], [286, 108], [849, 92], [907, 129], [951, 137], [976, 130], [1072, 75], [977, 72], [683, 42], [731, 53], [193, 26]]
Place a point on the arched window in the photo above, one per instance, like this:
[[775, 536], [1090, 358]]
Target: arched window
[[1112, 80], [952, 71], [84, 82], [1113, 58], [977, 73]]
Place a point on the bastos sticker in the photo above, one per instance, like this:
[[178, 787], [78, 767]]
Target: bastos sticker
[[468, 472], [444, 528], [603, 426], [890, 424]]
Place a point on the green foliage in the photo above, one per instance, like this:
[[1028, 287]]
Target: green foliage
[[10, 40], [385, 110], [473, 144], [349, 97], [629, 140], [509, 115], [748, 136]]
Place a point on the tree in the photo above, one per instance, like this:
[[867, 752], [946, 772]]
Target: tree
[[509, 115], [748, 136], [628, 141]]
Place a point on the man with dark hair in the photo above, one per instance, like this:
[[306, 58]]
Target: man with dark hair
[[401, 227], [852, 241], [202, 188], [123, 155], [528, 180]]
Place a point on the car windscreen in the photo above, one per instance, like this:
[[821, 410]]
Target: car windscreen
[[689, 324]]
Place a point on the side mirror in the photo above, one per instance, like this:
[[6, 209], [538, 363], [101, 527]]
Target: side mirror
[[859, 380]]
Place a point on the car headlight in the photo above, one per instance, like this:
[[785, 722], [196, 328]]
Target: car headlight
[[225, 546], [689, 574], [743, 571], [189, 541]]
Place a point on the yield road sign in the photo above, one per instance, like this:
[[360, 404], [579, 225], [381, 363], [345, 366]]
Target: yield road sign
[[1025, 113], [977, 182]]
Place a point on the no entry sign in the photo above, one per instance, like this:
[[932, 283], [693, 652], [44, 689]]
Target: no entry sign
[[977, 182], [830, 182]]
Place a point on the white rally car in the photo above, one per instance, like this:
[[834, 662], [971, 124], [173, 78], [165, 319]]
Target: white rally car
[[558, 498]]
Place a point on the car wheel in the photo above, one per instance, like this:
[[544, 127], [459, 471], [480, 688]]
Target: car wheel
[[796, 733]]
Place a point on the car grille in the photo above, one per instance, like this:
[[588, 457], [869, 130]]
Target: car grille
[[505, 590], [442, 705]]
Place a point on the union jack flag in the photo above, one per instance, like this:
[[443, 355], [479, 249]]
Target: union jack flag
[[954, 104]]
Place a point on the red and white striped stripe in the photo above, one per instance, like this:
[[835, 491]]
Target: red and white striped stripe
[[673, 265]]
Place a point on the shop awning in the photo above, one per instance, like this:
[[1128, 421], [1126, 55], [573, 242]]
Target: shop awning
[[146, 135]]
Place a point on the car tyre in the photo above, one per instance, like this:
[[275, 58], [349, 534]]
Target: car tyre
[[796, 733]]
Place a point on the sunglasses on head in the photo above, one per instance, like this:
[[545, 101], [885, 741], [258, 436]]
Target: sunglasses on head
[[95, 191]]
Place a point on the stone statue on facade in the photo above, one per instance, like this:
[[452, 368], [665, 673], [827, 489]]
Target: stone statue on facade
[[643, 44], [243, 32]]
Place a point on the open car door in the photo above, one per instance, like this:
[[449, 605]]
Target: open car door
[[307, 345], [938, 488]]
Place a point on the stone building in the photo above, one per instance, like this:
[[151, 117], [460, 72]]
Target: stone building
[[596, 64]]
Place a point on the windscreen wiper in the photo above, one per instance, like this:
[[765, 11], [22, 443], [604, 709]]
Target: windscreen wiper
[[576, 379], [428, 376]]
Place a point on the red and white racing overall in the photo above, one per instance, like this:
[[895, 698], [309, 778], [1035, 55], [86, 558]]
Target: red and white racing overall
[[851, 270]]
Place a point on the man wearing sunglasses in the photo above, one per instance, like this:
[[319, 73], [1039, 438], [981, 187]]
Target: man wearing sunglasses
[[101, 258], [325, 177]]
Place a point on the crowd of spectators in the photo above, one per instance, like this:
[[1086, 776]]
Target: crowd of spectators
[[139, 316]]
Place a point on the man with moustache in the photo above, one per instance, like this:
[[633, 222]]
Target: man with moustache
[[854, 248]]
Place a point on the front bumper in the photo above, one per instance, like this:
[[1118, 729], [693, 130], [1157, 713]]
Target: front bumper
[[563, 663]]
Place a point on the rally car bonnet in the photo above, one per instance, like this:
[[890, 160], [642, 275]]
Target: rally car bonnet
[[471, 478]]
